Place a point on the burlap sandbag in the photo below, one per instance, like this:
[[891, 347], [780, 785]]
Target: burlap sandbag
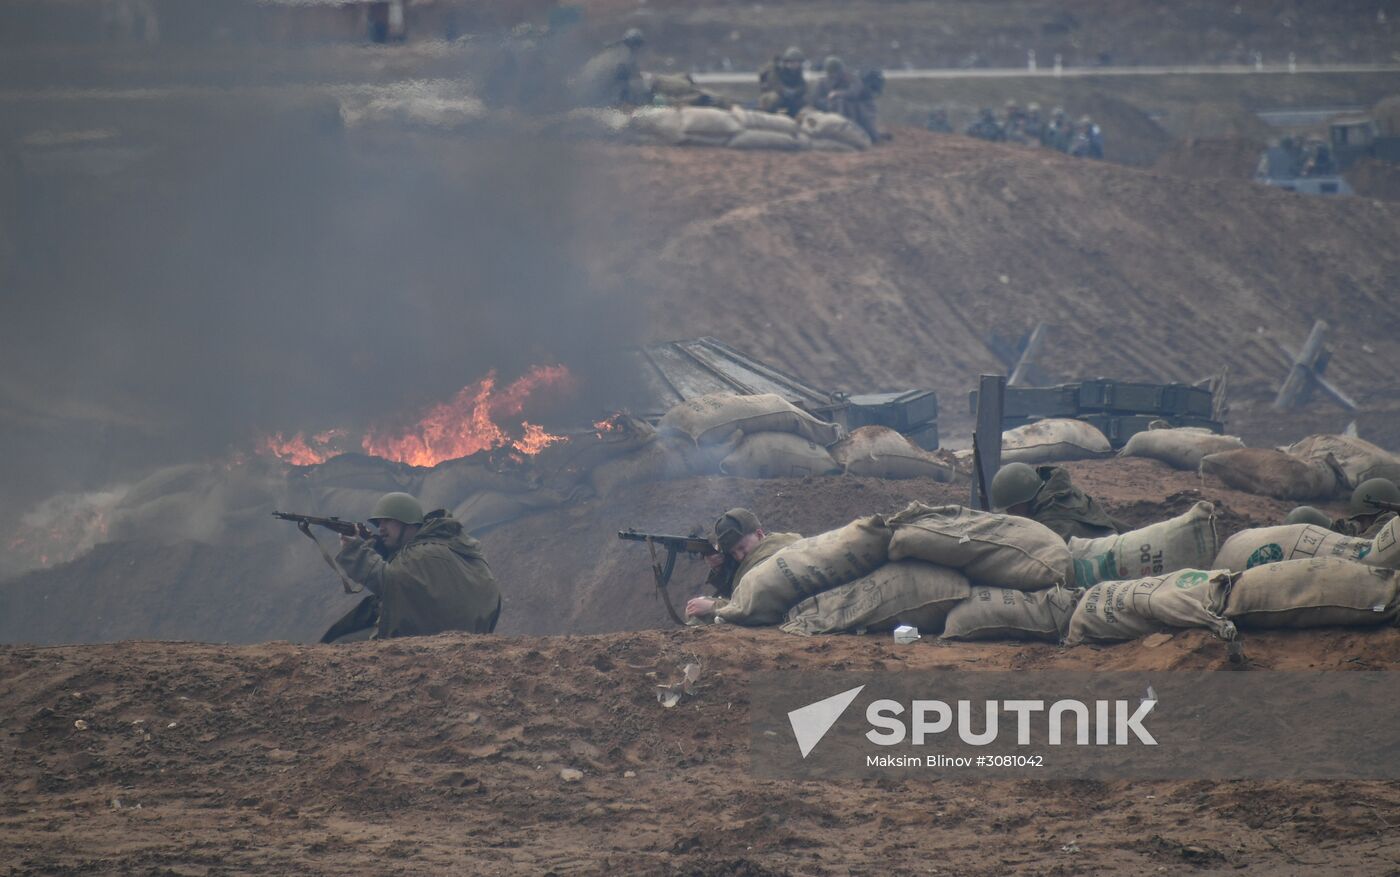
[[666, 458], [1179, 448], [1048, 441], [1006, 614], [1261, 545], [1319, 592], [766, 140], [1001, 550], [448, 484], [660, 125], [1385, 548], [1116, 611], [881, 452], [820, 145], [1187, 541], [904, 592], [489, 508], [713, 418], [835, 127], [1358, 459], [777, 455], [1273, 473], [757, 120], [707, 123], [807, 567]]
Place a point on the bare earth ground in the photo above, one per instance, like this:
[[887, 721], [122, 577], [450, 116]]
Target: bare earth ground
[[443, 755]]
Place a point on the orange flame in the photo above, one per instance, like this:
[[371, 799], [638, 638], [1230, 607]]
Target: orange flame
[[294, 450], [468, 423]]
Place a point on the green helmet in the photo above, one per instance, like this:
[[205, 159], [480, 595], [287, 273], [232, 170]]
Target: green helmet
[[1306, 514], [397, 507], [794, 54], [633, 37], [833, 64], [1376, 488], [1013, 484]]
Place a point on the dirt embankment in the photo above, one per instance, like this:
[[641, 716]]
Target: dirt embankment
[[444, 755]]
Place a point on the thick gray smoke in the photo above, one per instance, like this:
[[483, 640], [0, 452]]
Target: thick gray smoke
[[185, 273]]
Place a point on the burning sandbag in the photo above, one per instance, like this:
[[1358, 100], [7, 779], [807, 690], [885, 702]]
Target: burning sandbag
[[832, 128], [359, 470], [1003, 550], [1187, 541], [1007, 614], [1053, 440], [1117, 611], [1180, 448], [561, 465], [881, 452], [807, 567], [777, 455], [1358, 459], [1263, 545], [904, 592], [1273, 473], [1319, 592], [666, 458], [714, 418]]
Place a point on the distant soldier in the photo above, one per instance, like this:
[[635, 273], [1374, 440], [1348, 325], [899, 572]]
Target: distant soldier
[[1015, 123], [782, 87], [1088, 140], [986, 127], [1306, 514], [1034, 127], [938, 122], [1058, 133], [1363, 519], [1317, 161], [613, 77], [743, 544], [838, 91], [1047, 495]]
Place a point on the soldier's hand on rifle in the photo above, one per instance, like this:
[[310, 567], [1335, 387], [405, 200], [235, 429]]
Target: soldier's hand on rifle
[[715, 560]]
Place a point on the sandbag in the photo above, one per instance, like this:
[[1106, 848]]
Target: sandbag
[[708, 123], [1272, 473], [489, 508], [757, 120], [881, 452], [1180, 448], [904, 592], [1318, 592], [807, 567], [1358, 459], [1001, 550], [760, 139], [1385, 548], [1116, 611], [1049, 441], [713, 418], [1187, 541], [362, 471], [1262, 545], [820, 145], [660, 125], [777, 455], [562, 464], [1006, 614], [448, 484], [833, 126], [667, 457]]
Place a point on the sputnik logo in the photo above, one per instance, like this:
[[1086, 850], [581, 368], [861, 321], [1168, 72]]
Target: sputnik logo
[[811, 722]]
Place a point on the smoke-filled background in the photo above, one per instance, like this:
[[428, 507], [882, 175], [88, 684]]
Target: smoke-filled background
[[184, 273]]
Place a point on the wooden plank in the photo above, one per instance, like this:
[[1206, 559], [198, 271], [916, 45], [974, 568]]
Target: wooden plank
[[1302, 373], [1020, 375], [986, 440]]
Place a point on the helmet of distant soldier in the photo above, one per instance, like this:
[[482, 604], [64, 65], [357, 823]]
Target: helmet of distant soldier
[[833, 64], [1014, 484], [793, 53], [1085, 121], [1382, 489], [633, 37], [1032, 107], [397, 507], [1306, 514]]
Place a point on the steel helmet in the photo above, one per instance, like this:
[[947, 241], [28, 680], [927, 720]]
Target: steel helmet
[[794, 54], [397, 507], [1013, 484], [1375, 488], [833, 64], [633, 37], [1306, 514]]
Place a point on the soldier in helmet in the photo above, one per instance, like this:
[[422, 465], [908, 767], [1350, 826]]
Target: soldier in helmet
[[1364, 519], [425, 575], [1047, 495], [1034, 126], [743, 544], [613, 77], [1059, 132], [840, 91], [938, 122], [1306, 514], [986, 127], [782, 87], [1015, 124], [1088, 140]]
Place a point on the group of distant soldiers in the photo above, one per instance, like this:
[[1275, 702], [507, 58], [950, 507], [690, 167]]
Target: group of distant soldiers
[[1290, 158], [1026, 126], [614, 77]]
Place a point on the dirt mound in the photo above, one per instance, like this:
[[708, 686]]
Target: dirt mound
[[446, 755], [1372, 178], [1225, 157], [1231, 121]]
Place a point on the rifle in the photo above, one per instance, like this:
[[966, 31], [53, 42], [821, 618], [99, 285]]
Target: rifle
[[1381, 505], [695, 546], [343, 527]]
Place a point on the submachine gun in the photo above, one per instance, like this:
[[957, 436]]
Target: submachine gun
[[695, 546]]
